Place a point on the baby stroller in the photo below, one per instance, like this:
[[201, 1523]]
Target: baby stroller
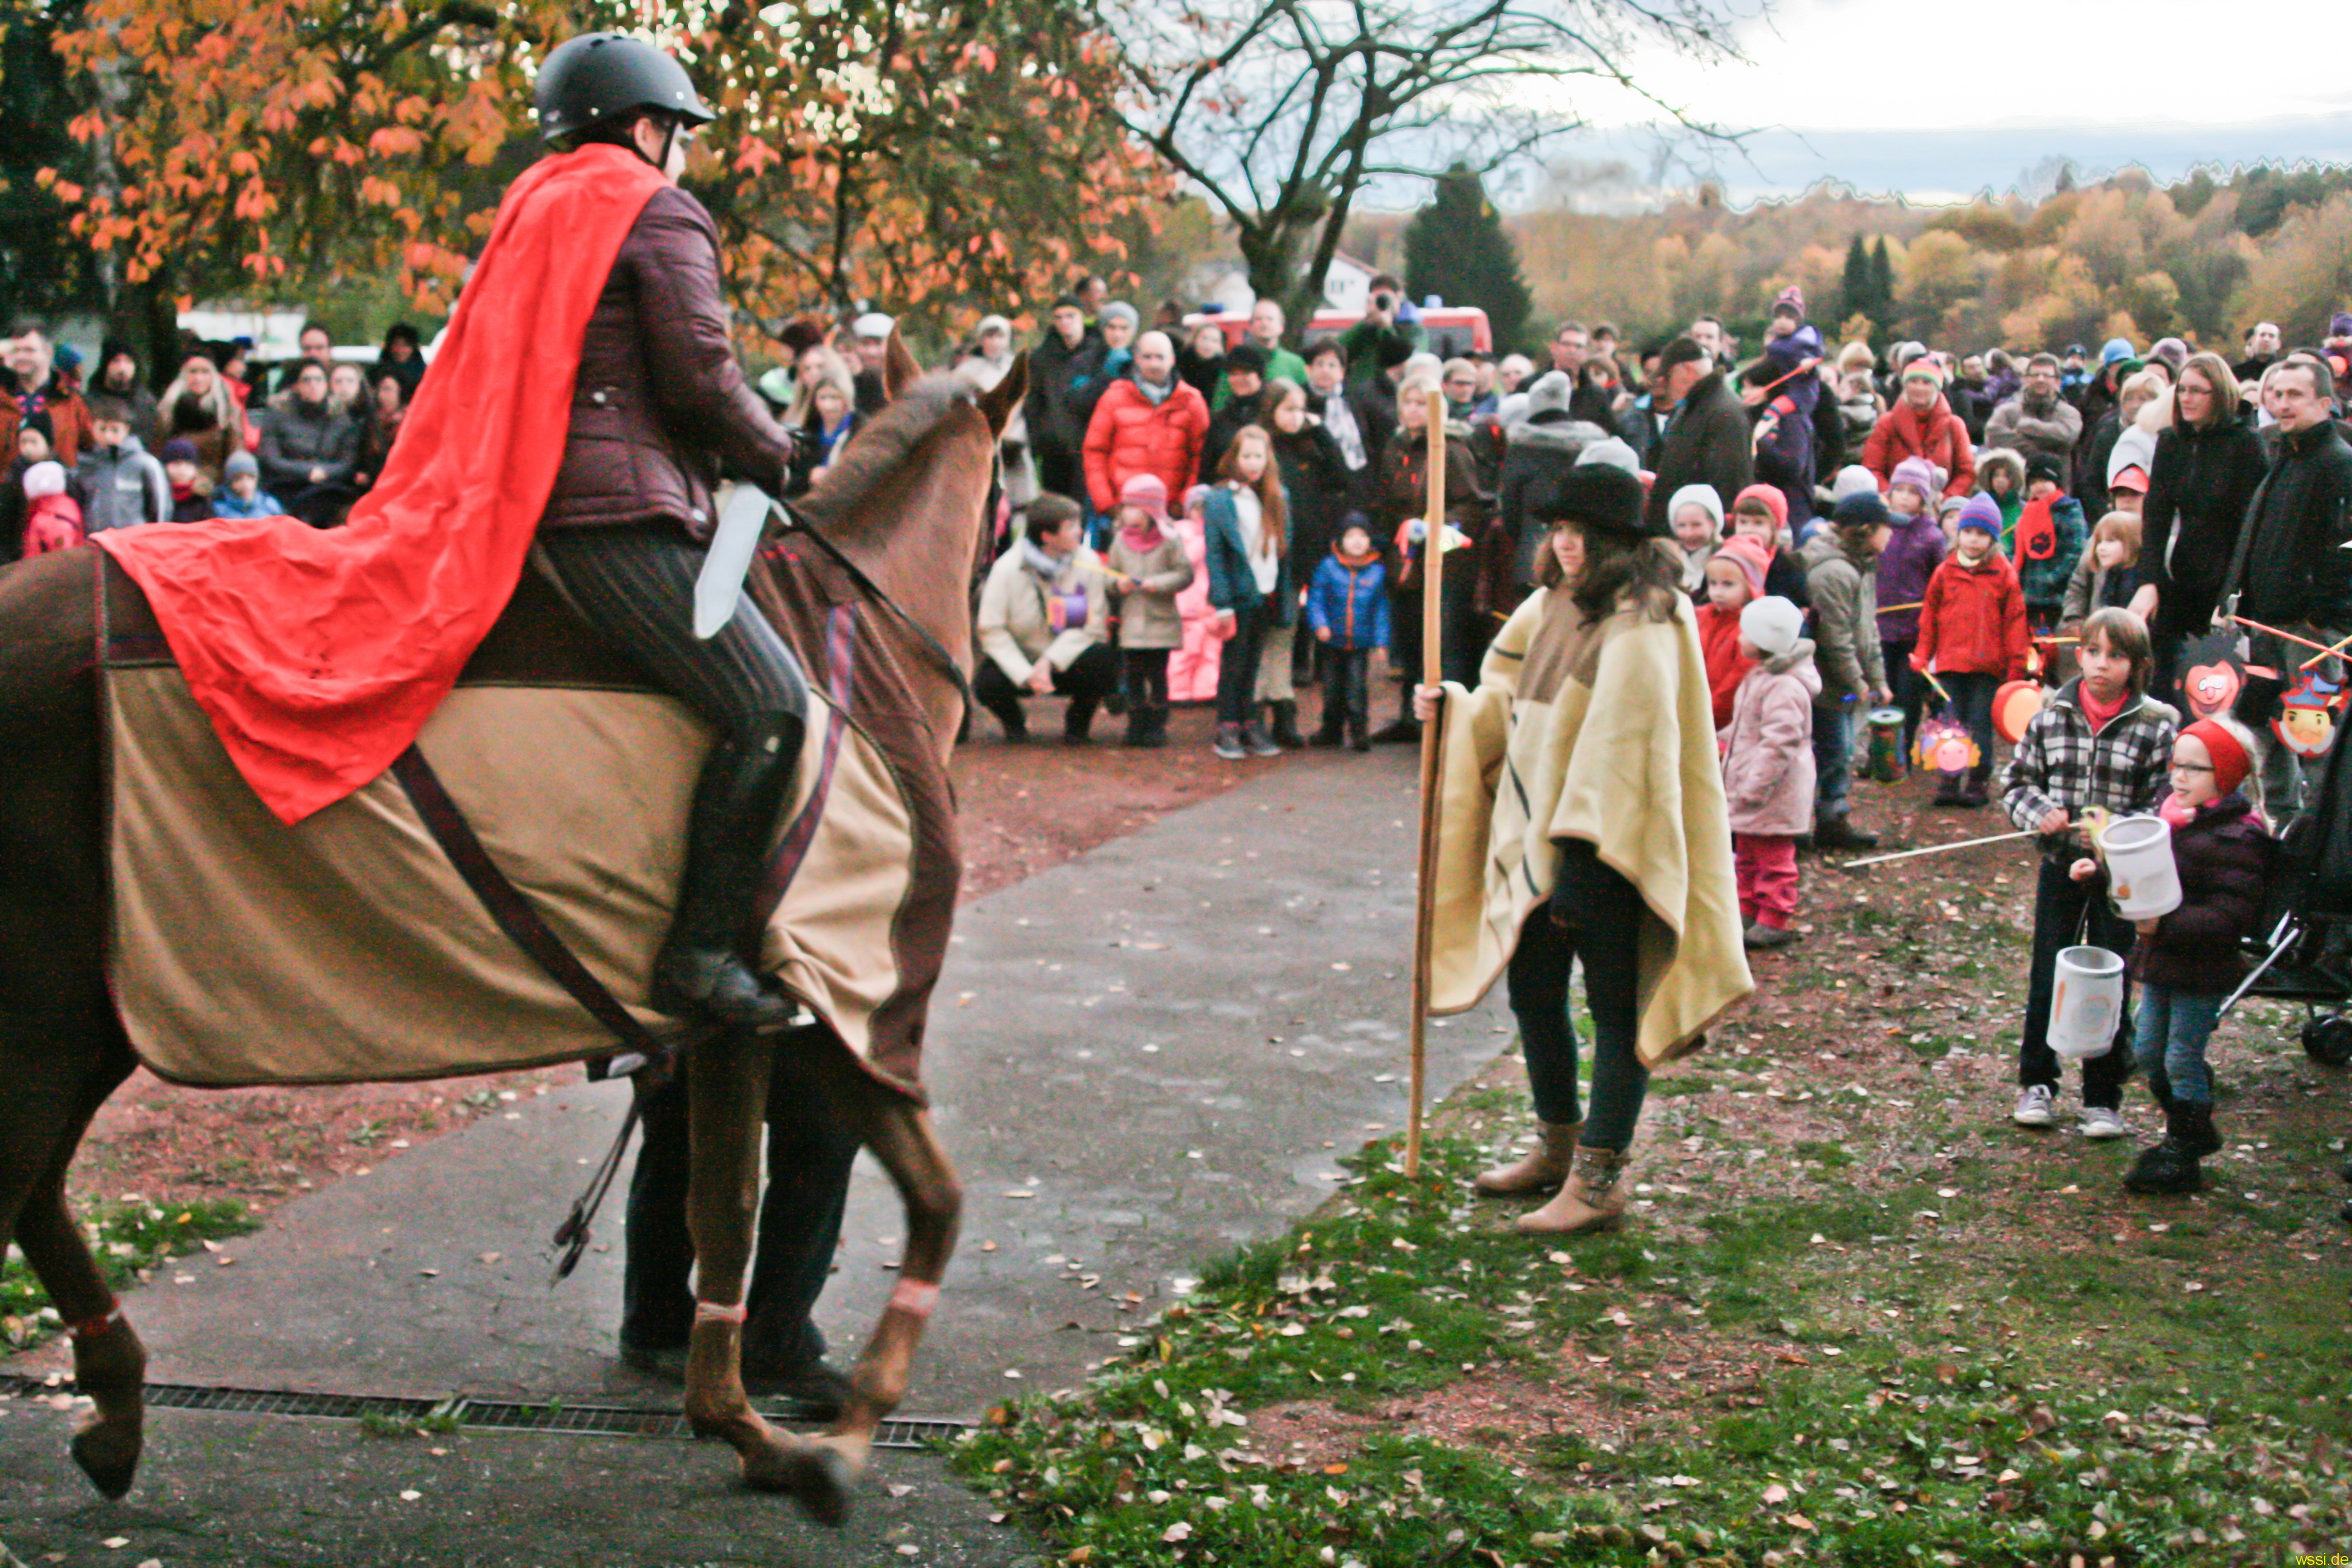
[[2307, 955]]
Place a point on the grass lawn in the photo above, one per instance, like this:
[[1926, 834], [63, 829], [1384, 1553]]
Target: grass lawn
[[1858, 1319]]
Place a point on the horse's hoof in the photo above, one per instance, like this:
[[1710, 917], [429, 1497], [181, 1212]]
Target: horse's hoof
[[819, 1478], [109, 1455], [822, 1481]]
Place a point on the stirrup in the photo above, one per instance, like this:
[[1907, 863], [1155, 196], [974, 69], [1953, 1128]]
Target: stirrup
[[721, 987]]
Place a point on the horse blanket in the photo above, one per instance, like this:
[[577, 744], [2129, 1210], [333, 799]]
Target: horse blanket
[[359, 943]]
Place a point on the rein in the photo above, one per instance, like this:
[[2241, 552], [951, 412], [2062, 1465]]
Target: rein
[[796, 524]]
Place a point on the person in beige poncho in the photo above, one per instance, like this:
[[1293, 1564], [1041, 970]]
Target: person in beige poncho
[[1583, 821]]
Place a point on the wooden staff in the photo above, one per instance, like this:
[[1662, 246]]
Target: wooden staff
[[2287, 636], [1433, 754], [1934, 850]]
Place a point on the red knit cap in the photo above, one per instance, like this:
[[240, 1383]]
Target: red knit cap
[[2230, 763], [1752, 558]]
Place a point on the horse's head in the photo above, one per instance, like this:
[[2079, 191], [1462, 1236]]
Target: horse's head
[[908, 502]]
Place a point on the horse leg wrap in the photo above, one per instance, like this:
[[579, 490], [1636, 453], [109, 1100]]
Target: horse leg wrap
[[718, 1313], [916, 1298]]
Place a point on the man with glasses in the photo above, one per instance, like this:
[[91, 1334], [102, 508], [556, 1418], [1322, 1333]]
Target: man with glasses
[[2291, 570], [2037, 421]]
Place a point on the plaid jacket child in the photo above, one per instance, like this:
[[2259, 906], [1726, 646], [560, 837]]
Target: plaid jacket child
[[2061, 765]]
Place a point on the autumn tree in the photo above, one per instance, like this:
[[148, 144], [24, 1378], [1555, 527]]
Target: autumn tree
[[967, 155], [923, 157], [1457, 249], [1283, 115]]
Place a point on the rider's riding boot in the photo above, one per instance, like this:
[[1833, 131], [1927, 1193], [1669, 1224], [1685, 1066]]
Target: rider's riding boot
[[702, 969]]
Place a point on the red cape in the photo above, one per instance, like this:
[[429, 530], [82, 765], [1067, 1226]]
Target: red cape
[[319, 656]]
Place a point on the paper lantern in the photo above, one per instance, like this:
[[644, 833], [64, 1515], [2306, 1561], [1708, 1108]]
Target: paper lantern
[[2013, 708], [1945, 746], [2211, 690]]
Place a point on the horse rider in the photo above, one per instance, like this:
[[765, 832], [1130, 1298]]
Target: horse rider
[[659, 404]]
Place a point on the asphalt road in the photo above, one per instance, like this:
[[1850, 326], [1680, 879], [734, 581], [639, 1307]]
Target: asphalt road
[[1140, 1059]]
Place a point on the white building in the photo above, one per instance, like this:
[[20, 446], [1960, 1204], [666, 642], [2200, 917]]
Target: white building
[[1347, 288]]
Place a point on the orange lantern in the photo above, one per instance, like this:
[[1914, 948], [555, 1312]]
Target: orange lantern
[[2013, 708]]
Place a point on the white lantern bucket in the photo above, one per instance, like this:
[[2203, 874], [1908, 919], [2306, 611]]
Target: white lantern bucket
[[2085, 1002], [2140, 872]]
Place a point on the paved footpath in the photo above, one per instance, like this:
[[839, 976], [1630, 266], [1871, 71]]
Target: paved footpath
[[1140, 1059]]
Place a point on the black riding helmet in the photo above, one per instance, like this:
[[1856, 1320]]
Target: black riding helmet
[[597, 76]]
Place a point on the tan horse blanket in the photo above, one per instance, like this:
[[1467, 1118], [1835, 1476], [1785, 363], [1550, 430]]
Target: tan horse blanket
[[350, 947]]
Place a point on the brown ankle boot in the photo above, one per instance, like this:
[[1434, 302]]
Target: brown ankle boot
[[1544, 1167], [1593, 1199]]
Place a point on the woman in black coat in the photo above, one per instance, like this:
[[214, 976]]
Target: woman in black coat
[[2207, 464]]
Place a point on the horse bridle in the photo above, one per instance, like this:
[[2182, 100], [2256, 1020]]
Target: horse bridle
[[799, 525]]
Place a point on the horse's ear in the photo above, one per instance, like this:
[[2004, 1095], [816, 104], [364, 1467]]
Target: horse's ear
[[899, 369], [999, 401]]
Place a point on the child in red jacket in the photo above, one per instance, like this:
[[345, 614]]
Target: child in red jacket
[[52, 516], [1735, 579], [1972, 635]]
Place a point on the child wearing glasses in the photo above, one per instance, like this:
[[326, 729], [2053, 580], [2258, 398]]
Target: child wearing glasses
[[2186, 963]]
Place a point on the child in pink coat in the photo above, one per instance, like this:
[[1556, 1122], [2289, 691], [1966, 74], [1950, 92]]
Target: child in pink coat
[[1768, 766]]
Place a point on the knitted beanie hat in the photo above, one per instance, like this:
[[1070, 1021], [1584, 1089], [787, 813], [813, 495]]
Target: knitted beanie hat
[[1770, 498], [1700, 496], [1981, 512], [1613, 452], [1853, 479], [2231, 762], [1919, 474], [1551, 394], [1773, 624], [1750, 556], [45, 479]]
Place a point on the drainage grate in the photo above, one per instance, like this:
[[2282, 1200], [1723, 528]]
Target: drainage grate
[[504, 1415]]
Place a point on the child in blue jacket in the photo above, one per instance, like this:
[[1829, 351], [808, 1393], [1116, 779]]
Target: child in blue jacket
[[1348, 608]]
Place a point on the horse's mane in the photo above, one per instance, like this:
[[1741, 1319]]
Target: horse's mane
[[876, 454]]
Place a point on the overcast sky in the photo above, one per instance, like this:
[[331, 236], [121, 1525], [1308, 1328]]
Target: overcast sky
[[1897, 96], [1852, 64]]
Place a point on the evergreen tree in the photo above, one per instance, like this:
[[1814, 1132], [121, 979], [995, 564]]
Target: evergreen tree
[[44, 271], [1457, 249], [1882, 284], [1854, 289]]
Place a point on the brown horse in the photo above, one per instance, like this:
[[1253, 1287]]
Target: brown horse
[[903, 515]]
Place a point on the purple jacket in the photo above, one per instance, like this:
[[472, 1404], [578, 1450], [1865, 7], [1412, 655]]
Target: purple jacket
[[1786, 459], [1914, 550]]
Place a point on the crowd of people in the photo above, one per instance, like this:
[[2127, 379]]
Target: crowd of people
[[103, 450], [1894, 538], [1193, 516]]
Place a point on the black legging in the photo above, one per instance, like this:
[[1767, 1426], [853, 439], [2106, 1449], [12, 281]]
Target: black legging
[[635, 584]]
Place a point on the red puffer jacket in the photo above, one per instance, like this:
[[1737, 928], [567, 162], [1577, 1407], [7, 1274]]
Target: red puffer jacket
[[1131, 435], [1937, 435], [1726, 666], [1973, 621]]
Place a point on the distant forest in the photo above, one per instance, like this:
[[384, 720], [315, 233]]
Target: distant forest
[[2201, 259]]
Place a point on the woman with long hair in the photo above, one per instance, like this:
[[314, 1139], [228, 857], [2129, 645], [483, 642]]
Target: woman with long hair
[[2208, 466], [1246, 524], [1584, 822], [199, 405], [819, 377]]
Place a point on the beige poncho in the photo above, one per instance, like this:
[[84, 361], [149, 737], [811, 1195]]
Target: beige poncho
[[1605, 733]]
